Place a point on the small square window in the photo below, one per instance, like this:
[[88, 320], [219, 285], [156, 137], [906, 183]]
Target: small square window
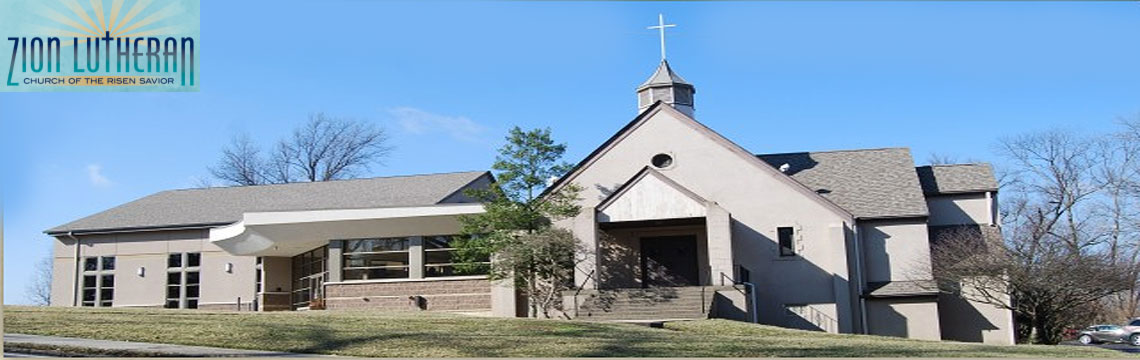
[[106, 295], [191, 278], [91, 264], [192, 291], [108, 281], [89, 295], [171, 304], [786, 236], [88, 303], [174, 260], [174, 278], [89, 281], [173, 292], [105, 304], [192, 304], [193, 259], [108, 263]]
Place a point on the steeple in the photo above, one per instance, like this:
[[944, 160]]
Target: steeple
[[665, 85]]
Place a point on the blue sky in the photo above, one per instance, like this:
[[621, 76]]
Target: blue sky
[[447, 79]]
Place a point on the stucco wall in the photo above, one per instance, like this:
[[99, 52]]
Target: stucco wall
[[960, 209], [895, 250], [915, 318], [149, 250], [963, 319], [758, 200]]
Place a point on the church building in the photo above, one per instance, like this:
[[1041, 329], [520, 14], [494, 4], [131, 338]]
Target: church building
[[682, 223]]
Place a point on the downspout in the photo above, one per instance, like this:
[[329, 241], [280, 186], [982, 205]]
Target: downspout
[[76, 275], [859, 283]]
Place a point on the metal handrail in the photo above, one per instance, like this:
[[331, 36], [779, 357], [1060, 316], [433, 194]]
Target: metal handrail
[[589, 276], [750, 291], [815, 316]]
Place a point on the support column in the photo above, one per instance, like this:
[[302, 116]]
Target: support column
[[336, 260], [416, 257], [585, 227], [719, 226]]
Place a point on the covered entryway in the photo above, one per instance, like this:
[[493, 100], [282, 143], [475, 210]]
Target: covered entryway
[[662, 252]]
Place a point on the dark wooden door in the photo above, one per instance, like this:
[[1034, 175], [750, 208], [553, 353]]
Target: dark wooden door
[[669, 261]]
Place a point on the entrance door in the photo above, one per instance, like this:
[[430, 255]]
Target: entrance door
[[669, 261]]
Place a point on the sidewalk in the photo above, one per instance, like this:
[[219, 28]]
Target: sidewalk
[[127, 348]]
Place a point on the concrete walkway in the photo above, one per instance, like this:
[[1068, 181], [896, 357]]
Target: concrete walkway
[[143, 349]]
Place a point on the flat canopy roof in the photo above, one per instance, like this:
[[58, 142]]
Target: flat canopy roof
[[287, 233]]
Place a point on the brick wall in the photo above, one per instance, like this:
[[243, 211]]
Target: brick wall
[[427, 294]]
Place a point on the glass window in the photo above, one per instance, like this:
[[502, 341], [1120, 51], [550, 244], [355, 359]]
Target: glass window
[[182, 283], [441, 258], [385, 258], [108, 280], [90, 264], [787, 241], [89, 281], [88, 294], [108, 263], [376, 245], [309, 272]]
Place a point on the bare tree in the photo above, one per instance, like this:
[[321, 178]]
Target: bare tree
[[323, 149], [1052, 267], [39, 289], [241, 163], [1119, 176], [329, 148]]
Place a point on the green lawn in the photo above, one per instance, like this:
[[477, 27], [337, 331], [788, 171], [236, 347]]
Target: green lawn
[[378, 334]]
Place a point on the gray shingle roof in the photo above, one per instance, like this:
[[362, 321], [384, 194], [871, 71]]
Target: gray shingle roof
[[663, 76], [902, 288], [871, 183], [213, 206], [958, 178]]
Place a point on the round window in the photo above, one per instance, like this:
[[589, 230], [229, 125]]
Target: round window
[[662, 161]]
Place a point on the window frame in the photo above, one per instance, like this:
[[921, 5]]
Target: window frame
[[790, 249], [347, 255], [98, 272], [182, 271]]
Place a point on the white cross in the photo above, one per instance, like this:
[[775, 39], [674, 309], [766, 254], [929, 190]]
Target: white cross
[[661, 28]]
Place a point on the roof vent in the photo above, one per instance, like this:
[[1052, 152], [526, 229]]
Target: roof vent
[[784, 168]]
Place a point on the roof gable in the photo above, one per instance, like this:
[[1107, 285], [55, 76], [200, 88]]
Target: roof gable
[[701, 130], [649, 195]]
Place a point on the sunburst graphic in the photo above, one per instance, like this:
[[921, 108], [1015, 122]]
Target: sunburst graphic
[[140, 20]]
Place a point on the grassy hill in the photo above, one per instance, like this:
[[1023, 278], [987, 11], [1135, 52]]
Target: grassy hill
[[378, 334]]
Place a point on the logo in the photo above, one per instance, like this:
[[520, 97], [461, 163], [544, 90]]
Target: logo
[[100, 45]]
